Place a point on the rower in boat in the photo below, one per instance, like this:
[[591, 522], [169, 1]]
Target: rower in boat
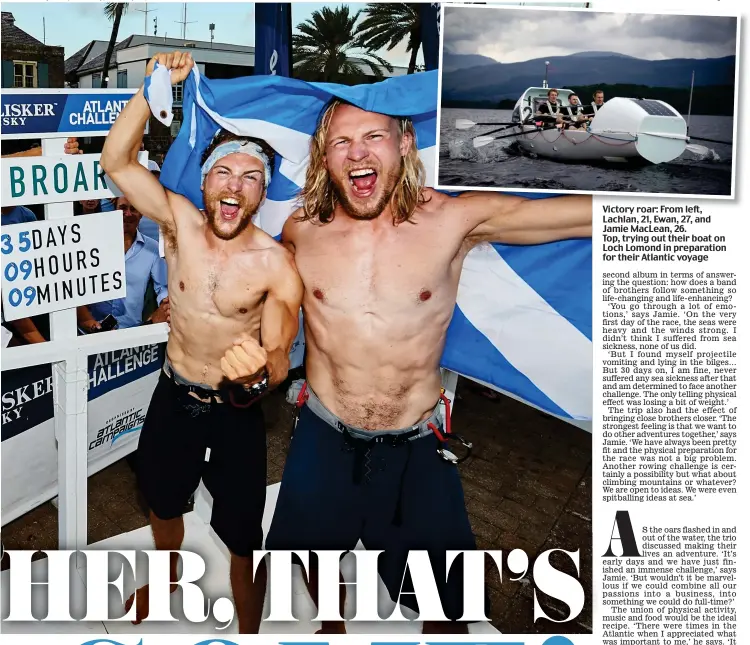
[[549, 112], [591, 109], [573, 114]]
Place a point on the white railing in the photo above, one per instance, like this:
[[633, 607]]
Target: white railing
[[68, 353]]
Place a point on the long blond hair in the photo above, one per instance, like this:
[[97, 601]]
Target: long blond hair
[[318, 196]]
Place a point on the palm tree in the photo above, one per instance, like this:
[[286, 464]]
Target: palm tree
[[328, 48], [387, 24], [113, 11]]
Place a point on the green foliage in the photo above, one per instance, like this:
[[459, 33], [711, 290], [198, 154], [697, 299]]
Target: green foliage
[[329, 49], [389, 23]]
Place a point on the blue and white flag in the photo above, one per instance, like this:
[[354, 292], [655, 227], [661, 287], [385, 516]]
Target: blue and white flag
[[273, 38], [429, 16], [523, 318]]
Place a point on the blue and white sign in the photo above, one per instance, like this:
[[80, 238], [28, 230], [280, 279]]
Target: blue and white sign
[[58, 113], [61, 264], [273, 38]]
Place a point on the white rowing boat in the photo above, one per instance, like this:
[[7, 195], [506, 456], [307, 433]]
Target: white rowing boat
[[622, 129]]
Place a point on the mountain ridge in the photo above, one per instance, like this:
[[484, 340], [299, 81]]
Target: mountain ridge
[[497, 81]]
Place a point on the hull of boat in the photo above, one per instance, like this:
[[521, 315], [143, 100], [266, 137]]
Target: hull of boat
[[578, 145], [622, 129]]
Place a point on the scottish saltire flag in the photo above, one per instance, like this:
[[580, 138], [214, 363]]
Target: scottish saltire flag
[[523, 318]]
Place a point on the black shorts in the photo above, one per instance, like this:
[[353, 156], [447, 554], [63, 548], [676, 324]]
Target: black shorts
[[184, 440], [320, 507]]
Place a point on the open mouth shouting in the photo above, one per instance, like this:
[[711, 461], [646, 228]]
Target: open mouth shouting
[[363, 181], [229, 208]]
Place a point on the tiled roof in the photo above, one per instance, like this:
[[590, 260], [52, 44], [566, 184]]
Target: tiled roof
[[12, 35], [96, 64], [75, 60]]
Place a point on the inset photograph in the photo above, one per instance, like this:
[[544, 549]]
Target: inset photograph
[[584, 101]]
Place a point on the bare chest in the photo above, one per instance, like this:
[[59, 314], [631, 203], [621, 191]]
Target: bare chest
[[204, 280], [372, 272]]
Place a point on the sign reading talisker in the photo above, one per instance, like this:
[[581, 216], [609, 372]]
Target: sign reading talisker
[[26, 114]]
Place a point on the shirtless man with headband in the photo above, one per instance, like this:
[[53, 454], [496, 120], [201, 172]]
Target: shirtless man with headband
[[380, 256], [235, 298]]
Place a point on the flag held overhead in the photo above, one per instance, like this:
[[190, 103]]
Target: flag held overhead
[[523, 317]]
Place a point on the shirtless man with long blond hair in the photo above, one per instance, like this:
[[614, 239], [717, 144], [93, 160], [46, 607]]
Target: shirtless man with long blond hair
[[380, 256]]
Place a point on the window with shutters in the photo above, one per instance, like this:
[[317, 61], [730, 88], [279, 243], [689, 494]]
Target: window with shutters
[[24, 74], [177, 93]]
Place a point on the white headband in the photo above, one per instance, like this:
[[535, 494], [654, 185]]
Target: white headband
[[230, 147]]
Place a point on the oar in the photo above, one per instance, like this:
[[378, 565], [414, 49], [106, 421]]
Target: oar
[[478, 142], [727, 143], [466, 124], [507, 127]]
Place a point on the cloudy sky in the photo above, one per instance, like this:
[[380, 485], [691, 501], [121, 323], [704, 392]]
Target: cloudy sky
[[73, 24], [514, 35]]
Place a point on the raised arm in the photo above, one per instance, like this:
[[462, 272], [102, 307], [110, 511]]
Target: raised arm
[[494, 217], [279, 321], [120, 154]]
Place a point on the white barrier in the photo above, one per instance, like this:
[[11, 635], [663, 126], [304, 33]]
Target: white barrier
[[67, 113]]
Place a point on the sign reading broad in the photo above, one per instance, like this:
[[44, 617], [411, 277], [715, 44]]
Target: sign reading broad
[[48, 180], [60, 113], [63, 263]]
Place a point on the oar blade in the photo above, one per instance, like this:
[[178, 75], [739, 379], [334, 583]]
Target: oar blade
[[478, 142], [464, 124]]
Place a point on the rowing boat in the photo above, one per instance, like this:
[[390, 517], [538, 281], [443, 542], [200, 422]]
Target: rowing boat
[[621, 130]]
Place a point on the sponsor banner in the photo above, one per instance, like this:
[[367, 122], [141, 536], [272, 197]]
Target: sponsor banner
[[116, 378], [59, 264], [54, 179], [27, 399], [120, 387], [55, 113]]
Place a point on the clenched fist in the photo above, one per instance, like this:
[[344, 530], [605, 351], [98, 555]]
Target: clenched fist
[[179, 64], [71, 147], [244, 363]]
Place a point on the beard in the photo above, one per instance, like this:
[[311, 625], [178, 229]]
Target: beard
[[366, 209], [245, 214]]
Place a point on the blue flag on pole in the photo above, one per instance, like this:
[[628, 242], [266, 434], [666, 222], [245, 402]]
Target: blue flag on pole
[[429, 17], [523, 317], [273, 38]]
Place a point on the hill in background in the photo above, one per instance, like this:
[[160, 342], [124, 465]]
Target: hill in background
[[488, 84]]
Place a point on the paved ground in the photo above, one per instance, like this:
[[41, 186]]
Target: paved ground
[[527, 486]]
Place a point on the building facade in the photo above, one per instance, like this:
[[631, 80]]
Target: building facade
[[28, 62]]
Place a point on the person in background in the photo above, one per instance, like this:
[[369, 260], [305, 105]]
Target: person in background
[[26, 330], [17, 215], [88, 206], [142, 262], [148, 226]]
